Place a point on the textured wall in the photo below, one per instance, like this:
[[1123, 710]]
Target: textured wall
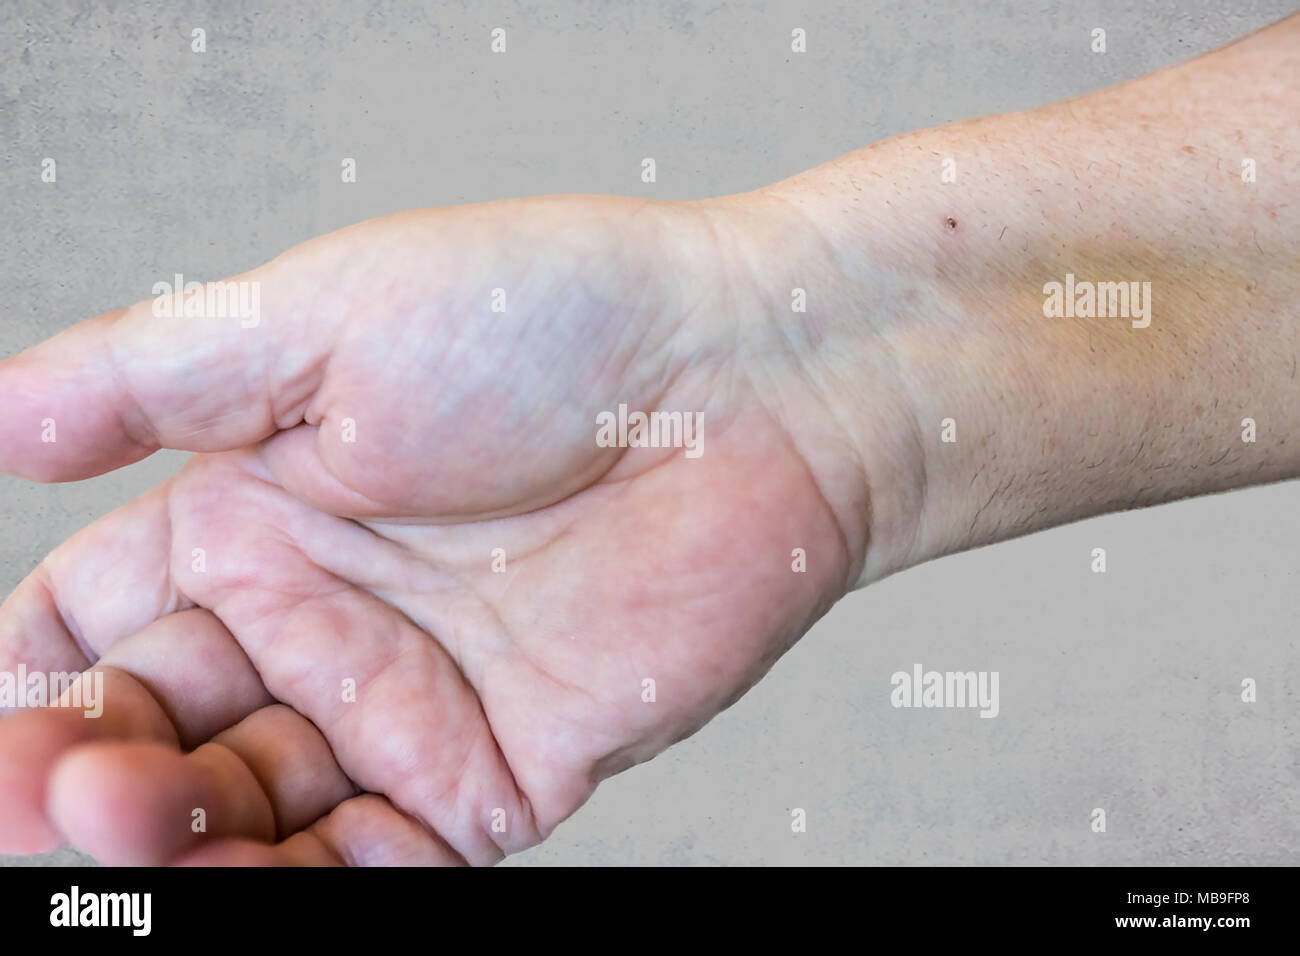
[[1117, 690]]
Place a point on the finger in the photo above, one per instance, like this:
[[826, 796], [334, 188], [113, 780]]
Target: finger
[[370, 831], [139, 803], [131, 803], [304, 848], [300, 849], [180, 680], [116, 388], [31, 741], [109, 580], [364, 831], [195, 671], [292, 762], [398, 713]]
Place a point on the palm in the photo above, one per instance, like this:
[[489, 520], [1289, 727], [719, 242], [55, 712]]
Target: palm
[[471, 610]]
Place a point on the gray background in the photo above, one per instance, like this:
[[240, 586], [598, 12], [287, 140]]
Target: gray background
[[1118, 690]]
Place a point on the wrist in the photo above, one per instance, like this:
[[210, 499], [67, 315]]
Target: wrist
[[972, 413], [815, 347]]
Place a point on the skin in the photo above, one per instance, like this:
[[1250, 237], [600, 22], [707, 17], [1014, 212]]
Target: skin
[[484, 696]]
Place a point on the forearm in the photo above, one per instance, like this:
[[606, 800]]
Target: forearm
[[940, 314]]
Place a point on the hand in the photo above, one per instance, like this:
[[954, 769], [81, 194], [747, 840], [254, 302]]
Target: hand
[[404, 607], [303, 638]]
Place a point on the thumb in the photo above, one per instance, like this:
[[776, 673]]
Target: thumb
[[218, 366]]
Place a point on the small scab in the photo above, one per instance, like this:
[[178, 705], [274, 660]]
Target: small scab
[[951, 223]]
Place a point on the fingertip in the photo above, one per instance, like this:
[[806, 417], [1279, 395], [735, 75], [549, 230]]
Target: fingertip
[[121, 802], [29, 743], [24, 826], [63, 413], [142, 804]]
